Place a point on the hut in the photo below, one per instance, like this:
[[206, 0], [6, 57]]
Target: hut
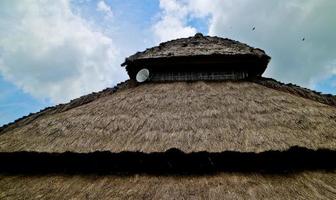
[[196, 120]]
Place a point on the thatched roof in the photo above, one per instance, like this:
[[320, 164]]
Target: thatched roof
[[242, 116], [248, 139], [303, 185], [197, 51], [197, 45], [254, 138]]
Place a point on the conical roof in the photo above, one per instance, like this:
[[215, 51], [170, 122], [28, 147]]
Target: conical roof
[[197, 45], [249, 138], [200, 116], [198, 51]]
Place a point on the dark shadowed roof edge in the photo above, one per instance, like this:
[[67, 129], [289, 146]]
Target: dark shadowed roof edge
[[171, 161]]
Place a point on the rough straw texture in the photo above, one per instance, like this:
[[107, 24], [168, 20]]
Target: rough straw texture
[[151, 123], [304, 185], [192, 117], [197, 45], [244, 116]]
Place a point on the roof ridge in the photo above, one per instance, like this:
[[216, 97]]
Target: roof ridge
[[82, 100], [327, 99]]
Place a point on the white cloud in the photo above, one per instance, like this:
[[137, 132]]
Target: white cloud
[[106, 9], [50, 52], [172, 22], [280, 27]]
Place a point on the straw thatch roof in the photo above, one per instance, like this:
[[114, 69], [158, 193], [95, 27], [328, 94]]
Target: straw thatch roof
[[197, 52], [249, 139], [246, 139], [303, 185], [197, 45], [242, 116]]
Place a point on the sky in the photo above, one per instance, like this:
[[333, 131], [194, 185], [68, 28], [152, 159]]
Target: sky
[[54, 51]]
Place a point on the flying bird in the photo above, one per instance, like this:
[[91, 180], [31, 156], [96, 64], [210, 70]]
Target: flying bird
[[253, 28], [303, 39]]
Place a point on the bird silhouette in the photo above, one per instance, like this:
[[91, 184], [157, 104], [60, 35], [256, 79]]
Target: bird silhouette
[[303, 39], [253, 28]]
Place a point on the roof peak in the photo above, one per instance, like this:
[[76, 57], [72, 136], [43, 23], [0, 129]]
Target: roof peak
[[199, 57], [198, 35]]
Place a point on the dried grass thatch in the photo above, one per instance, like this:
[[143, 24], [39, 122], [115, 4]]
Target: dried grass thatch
[[197, 116], [303, 185], [253, 139], [197, 45], [199, 53], [247, 139]]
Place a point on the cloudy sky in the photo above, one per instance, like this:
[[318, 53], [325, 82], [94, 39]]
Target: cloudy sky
[[52, 51]]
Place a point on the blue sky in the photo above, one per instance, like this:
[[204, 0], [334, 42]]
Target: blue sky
[[54, 51]]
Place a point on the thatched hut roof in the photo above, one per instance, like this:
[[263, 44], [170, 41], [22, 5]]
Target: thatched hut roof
[[252, 138], [198, 51], [304, 185], [242, 116], [197, 45]]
